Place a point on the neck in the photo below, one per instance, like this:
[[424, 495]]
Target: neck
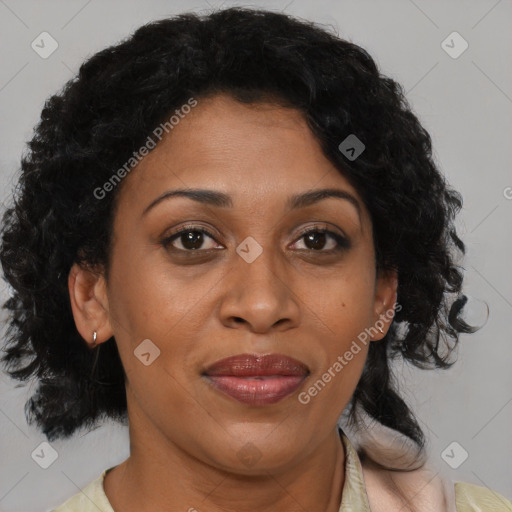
[[160, 477]]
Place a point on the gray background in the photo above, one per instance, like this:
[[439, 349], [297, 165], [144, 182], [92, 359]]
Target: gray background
[[465, 104]]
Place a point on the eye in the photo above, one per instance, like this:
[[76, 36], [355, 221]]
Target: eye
[[317, 238], [191, 238]]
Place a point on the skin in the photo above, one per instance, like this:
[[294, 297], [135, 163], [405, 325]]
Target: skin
[[185, 437]]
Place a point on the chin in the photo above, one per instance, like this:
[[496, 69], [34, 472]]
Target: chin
[[255, 455]]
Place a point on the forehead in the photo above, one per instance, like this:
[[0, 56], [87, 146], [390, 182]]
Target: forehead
[[257, 153], [225, 136]]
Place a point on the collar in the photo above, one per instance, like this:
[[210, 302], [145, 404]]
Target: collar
[[354, 497]]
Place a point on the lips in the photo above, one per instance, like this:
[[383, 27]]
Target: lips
[[257, 379], [248, 365]]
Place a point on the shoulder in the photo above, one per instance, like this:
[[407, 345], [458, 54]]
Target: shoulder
[[91, 498], [474, 498], [420, 490], [427, 490]]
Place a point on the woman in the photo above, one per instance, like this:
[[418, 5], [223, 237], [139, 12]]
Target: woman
[[225, 228]]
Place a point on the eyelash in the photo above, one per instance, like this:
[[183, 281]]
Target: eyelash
[[343, 243]]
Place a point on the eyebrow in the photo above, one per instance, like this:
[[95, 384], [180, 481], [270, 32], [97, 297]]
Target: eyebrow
[[222, 200]]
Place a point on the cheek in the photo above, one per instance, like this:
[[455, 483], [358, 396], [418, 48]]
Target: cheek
[[169, 307], [342, 313], [149, 298], [344, 302], [149, 311], [330, 389]]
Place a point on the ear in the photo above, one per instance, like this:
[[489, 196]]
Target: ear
[[89, 303], [386, 287]]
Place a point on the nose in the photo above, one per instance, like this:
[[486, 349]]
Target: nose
[[259, 295]]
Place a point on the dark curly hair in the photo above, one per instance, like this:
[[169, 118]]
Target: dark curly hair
[[104, 114]]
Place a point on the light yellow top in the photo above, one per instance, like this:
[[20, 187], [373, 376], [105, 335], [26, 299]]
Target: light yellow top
[[468, 497]]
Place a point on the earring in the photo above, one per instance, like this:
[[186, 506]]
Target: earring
[[94, 336], [380, 329]]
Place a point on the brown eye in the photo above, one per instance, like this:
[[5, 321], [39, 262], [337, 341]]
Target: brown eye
[[317, 239], [190, 238], [193, 239]]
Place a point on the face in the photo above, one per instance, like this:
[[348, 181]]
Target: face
[[263, 278]]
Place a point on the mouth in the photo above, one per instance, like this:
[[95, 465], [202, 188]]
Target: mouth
[[257, 379]]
